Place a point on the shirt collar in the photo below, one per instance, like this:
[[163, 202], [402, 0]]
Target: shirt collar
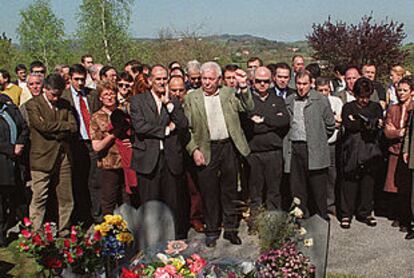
[[213, 95], [74, 92]]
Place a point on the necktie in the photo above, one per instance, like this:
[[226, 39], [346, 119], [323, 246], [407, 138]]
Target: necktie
[[85, 114]]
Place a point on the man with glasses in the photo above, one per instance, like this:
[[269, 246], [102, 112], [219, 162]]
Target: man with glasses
[[269, 123], [37, 67], [158, 120], [84, 102], [51, 126]]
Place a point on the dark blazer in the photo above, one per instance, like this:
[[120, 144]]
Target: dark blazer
[[94, 103], [7, 158], [49, 130], [289, 91], [149, 129]]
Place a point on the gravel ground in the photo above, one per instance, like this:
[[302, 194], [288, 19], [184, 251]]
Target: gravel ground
[[373, 252]]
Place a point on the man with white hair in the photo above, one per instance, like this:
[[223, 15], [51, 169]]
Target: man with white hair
[[193, 75], [216, 136]]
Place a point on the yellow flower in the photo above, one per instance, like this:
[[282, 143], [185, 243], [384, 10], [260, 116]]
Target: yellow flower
[[297, 212], [302, 231], [177, 262], [308, 242], [124, 237], [103, 228]]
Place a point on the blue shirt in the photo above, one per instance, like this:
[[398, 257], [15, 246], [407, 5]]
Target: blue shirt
[[75, 96]]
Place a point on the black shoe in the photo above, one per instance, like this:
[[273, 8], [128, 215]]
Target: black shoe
[[211, 241], [232, 237], [410, 235]]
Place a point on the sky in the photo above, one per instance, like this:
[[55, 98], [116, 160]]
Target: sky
[[281, 20]]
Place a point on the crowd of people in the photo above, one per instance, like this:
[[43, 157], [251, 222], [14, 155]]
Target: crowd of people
[[210, 142]]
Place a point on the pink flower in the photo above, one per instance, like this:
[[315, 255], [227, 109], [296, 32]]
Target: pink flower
[[196, 263], [79, 251], [73, 234], [168, 271], [27, 222], [69, 257], [23, 246], [97, 236], [26, 233]]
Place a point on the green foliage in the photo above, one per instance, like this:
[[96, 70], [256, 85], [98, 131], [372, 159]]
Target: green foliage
[[41, 33], [7, 53], [102, 30]]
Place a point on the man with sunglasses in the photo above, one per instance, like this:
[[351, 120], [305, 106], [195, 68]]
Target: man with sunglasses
[[269, 123], [84, 102]]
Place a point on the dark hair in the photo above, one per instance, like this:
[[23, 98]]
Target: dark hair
[[36, 64], [179, 69], [5, 74], [297, 56], [132, 63], [355, 67], [170, 65], [77, 68], [363, 87], [126, 76], [54, 81], [407, 80], [20, 67], [85, 56], [252, 59], [314, 69], [272, 68], [341, 68], [136, 66], [105, 69], [282, 66], [322, 81], [303, 73], [230, 67]]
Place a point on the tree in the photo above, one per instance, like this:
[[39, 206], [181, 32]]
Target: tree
[[41, 33], [102, 29], [7, 52], [366, 42]]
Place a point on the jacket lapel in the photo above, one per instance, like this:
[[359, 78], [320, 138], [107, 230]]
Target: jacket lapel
[[199, 100]]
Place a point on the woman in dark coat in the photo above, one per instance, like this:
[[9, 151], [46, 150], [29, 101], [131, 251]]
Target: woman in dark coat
[[14, 135], [362, 119]]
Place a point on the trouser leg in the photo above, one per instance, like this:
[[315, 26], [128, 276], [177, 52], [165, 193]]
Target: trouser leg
[[366, 192], [349, 193], [299, 174], [64, 194], [331, 179], [317, 183], [40, 190], [273, 170]]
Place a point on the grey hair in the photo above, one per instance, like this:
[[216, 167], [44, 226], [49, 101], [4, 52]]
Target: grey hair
[[211, 66], [193, 65]]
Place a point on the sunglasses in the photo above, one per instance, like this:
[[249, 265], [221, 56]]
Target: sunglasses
[[124, 85], [266, 81]]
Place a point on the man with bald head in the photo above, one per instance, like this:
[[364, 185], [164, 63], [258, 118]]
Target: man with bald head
[[269, 122], [158, 119], [216, 137]]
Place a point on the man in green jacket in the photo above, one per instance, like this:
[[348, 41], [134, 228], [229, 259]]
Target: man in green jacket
[[216, 136]]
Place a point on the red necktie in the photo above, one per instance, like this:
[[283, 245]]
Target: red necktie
[[85, 114]]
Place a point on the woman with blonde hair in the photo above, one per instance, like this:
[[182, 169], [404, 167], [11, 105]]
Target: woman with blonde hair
[[396, 74]]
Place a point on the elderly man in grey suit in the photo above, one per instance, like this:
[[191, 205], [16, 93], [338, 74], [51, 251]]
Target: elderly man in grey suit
[[216, 136], [305, 148]]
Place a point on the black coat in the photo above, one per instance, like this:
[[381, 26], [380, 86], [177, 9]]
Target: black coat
[[149, 128], [8, 160]]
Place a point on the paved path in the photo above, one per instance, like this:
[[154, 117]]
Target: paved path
[[379, 252]]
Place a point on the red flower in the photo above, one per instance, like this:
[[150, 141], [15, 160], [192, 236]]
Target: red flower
[[26, 233], [24, 246], [27, 222], [196, 263], [52, 263], [66, 243], [37, 240], [73, 234], [48, 232], [79, 251], [97, 236], [126, 273], [69, 257]]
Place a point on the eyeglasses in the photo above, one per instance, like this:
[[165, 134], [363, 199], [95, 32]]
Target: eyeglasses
[[124, 85], [266, 81]]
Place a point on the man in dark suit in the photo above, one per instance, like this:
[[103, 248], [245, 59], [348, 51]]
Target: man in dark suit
[[51, 126], [281, 78], [158, 153], [84, 103]]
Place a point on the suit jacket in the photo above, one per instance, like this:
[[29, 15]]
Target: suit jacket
[[49, 131], [94, 103], [289, 91], [150, 128], [232, 104], [319, 125]]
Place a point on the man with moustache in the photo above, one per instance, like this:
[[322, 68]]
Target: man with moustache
[[269, 123], [216, 136], [306, 150], [158, 120]]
